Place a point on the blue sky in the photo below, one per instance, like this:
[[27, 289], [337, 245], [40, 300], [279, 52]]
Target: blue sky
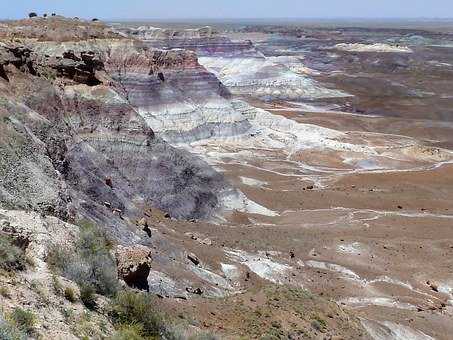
[[174, 9]]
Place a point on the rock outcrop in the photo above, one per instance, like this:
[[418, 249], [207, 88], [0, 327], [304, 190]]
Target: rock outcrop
[[80, 68], [204, 41], [79, 142], [178, 98], [379, 47], [55, 28], [240, 66], [134, 265], [87, 129]]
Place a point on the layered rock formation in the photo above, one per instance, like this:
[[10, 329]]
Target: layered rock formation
[[81, 121], [80, 140], [266, 79], [204, 41], [55, 28], [175, 95], [239, 65], [379, 47], [85, 130]]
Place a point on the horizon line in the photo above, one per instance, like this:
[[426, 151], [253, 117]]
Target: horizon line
[[285, 18], [252, 18]]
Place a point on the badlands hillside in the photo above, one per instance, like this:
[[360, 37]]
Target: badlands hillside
[[87, 176], [161, 183]]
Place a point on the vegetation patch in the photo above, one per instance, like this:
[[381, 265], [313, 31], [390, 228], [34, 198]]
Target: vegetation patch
[[89, 264], [57, 286], [129, 332], [88, 296], [24, 320], [9, 331], [137, 310], [278, 312], [204, 336], [318, 323], [4, 291], [87, 326], [12, 257], [70, 294]]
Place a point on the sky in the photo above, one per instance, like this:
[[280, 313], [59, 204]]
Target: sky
[[230, 9]]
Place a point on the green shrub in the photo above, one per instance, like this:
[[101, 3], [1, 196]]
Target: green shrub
[[57, 286], [10, 332], [89, 264], [70, 294], [40, 289], [24, 320], [319, 325], [129, 332], [11, 256], [68, 314], [203, 336], [137, 309], [4, 291], [88, 296]]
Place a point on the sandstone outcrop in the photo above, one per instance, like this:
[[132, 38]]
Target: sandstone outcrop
[[134, 265]]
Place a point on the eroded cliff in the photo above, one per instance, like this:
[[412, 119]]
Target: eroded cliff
[[86, 120]]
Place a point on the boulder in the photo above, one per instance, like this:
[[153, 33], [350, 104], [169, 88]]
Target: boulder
[[134, 265]]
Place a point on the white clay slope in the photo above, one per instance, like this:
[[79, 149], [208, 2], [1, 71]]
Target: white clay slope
[[266, 78], [385, 48]]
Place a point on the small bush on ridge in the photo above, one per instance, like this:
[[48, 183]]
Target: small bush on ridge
[[131, 308], [70, 294], [89, 264], [11, 256], [129, 332], [88, 296], [10, 332], [24, 320]]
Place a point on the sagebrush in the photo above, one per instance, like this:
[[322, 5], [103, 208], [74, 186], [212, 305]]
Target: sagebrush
[[12, 257], [89, 264]]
